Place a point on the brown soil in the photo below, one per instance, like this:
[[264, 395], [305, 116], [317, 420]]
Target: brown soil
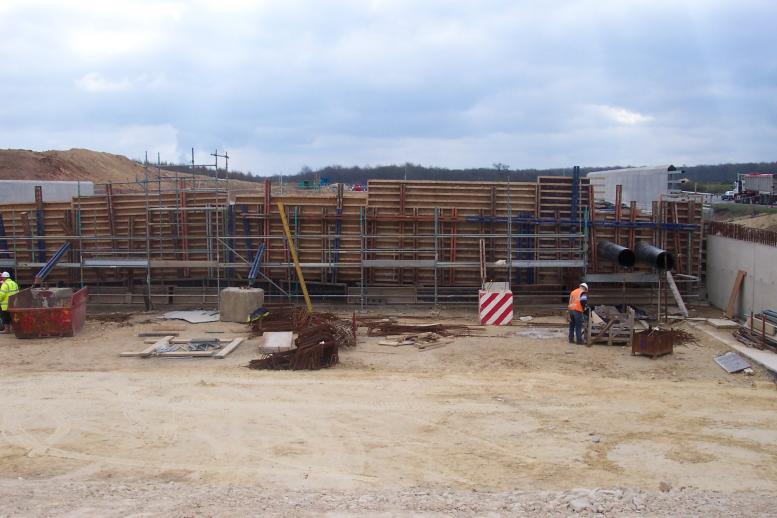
[[81, 164], [509, 421], [764, 221]]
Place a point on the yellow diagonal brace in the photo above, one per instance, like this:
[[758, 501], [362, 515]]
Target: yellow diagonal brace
[[294, 257]]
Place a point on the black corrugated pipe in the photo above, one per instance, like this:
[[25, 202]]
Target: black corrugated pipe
[[650, 255], [609, 251]]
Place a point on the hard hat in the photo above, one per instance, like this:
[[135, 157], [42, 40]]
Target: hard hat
[[5, 275], [584, 285]]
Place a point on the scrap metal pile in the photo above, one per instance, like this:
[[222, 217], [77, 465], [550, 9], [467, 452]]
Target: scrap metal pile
[[421, 341], [194, 344], [319, 337], [389, 326], [756, 339], [677, 336]]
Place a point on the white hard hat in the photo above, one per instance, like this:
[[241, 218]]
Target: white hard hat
[[584, 285], [5, 275]]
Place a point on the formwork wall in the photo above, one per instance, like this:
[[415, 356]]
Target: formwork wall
[[192, 237]]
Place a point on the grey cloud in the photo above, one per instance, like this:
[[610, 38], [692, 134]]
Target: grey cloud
[[284, 84]]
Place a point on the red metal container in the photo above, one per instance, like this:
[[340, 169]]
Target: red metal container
[[43, 313], [652, 343]]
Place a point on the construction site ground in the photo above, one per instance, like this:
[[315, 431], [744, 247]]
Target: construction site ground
[[512, 420]]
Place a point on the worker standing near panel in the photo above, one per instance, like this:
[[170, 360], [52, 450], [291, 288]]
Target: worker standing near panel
[[7, 289], [578, 300]]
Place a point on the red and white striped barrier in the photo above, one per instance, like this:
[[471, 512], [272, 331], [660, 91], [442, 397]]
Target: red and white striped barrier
[[496, 307]]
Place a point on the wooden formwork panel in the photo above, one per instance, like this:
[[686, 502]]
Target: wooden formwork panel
[[399, 219]]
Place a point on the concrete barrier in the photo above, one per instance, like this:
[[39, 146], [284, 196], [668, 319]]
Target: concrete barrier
[[238, 303]]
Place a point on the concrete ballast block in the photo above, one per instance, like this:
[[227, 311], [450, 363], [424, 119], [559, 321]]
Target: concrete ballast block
[[238, 303]]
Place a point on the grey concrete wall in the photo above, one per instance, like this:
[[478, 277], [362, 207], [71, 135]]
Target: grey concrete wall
[[23, 191], [642, 185], [725, 257]]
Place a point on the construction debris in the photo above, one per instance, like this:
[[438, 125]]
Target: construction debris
[[118, 318], [755, 339], [762, 325], [168, 347], [388, 328], [193, 317], [320, 335], [731, 362], [422, 341], [680, 337], [296, 319], [276, 341], [316, 348]]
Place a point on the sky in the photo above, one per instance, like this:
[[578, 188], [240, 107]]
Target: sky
[[281, 85]]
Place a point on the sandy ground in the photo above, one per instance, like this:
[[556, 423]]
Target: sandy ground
[[513, 420], [764, 221]]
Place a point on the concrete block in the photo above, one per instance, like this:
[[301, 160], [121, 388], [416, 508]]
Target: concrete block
[[238, 303]]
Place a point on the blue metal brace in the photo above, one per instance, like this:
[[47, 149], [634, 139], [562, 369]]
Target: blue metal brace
[[254, 271], [46, 270], [41, 232]]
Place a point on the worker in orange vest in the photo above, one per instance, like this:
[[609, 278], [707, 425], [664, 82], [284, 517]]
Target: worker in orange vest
[[578, 300]]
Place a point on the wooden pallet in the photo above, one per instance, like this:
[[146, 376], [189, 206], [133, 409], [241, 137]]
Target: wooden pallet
[[606, 325]]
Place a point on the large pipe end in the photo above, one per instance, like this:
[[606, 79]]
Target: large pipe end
[[626, 258], [665, 261], [652, 256], [609, 251]]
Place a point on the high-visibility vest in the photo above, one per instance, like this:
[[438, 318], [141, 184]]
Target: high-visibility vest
[[574, 300], [8, 288]]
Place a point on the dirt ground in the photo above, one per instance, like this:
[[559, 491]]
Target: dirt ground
[[512, 420], [84, 165], [763, 221]]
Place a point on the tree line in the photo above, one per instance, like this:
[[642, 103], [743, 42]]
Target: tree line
[[702, 174]]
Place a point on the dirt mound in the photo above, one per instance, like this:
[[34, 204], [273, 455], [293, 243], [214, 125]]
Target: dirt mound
[[74, 164], [82, 164], [764, 221]]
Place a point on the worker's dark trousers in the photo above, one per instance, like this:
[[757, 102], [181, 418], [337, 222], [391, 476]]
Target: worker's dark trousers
[[5, 318], [576, 326]]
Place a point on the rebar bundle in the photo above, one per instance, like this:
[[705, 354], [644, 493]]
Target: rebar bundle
[[382, 328], [320, 336], [317, 348]]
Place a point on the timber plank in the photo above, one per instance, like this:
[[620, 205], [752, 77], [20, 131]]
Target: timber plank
[[735, 289], [234, 344]]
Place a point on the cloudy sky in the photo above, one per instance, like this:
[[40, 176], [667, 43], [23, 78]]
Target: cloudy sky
[[284, 84]]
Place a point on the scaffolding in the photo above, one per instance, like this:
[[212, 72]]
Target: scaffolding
[[400, 242]]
